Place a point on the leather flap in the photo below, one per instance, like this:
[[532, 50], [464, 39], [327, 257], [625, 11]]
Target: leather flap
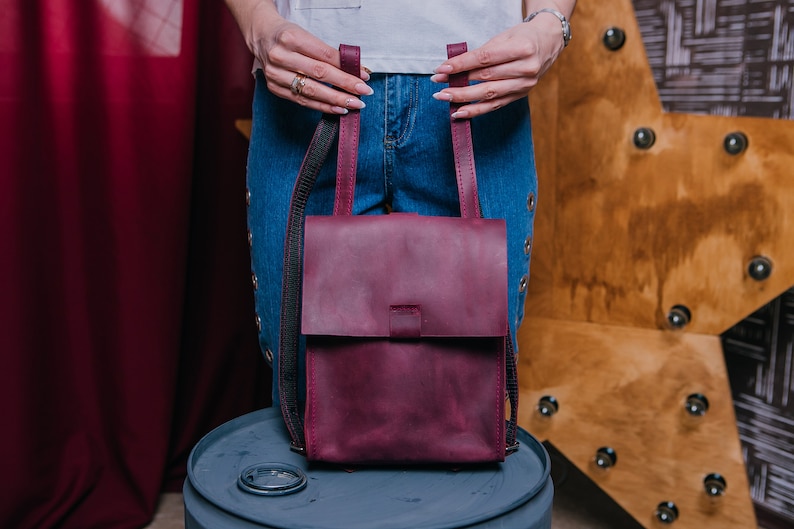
[[357, 268]]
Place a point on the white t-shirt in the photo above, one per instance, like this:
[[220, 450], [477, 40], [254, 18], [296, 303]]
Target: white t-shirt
[[402, 36]]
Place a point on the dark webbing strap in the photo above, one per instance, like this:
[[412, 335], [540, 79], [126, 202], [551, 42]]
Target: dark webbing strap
[[511, 445], [318, 151], [289, 330]]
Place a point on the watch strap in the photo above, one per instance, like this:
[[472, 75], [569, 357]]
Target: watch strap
[[566, 26]]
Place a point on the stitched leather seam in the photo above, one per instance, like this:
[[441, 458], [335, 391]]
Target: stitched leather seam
[[458, 170], [352, 180]]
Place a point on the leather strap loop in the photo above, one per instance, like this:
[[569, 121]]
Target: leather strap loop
[[349, 124], [463, 146]]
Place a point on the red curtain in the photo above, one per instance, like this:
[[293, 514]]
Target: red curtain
[[126, 314]]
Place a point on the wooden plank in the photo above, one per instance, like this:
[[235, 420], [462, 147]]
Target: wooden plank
[[244, 127], [625, 388]]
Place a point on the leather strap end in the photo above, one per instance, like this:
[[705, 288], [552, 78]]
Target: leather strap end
[[453, 50], [350, 59]]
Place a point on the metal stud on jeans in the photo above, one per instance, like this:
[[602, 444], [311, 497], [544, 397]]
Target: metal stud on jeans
[[531, 202], [528, 245]]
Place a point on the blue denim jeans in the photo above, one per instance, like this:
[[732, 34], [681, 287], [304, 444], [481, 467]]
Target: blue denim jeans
[[405, 163]]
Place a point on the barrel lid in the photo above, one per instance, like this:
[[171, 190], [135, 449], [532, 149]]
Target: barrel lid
[[272, 479], [245, 467]]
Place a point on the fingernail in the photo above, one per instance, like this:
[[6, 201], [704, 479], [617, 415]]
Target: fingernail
[[364, 90], [354, 104], [339, 110], [444, 68], [442, 96], [461, 114], [437, 78]]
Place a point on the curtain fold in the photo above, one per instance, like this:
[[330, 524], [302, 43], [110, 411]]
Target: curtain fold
[[126, 319]]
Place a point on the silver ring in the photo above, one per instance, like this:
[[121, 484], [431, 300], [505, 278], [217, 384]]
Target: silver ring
[[297, 84], [348, 101]]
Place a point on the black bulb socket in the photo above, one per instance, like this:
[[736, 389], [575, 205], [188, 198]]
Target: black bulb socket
[[644, 138], [614, 38], [735, 143], [679, 317], [760, 268]]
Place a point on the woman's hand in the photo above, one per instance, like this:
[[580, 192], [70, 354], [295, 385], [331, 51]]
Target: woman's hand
[[508, 66], [297, 65]]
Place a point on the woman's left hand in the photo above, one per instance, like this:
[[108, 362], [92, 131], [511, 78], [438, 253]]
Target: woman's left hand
[[508, 66]]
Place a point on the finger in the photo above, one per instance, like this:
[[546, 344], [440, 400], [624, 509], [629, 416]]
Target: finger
[[326, 54], [302, 52], [329, 108], [488, 56], [311, 93], [313, 90], [473, 110], [513, 70], [486, 91], [325, 74], [524, 67]]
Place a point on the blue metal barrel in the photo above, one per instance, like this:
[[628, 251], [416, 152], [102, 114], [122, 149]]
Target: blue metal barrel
[[242, 475]]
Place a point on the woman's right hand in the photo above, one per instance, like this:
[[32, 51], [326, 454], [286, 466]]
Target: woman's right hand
[[297, 65]]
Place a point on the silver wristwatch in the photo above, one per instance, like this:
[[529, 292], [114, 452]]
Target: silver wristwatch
[[566, 27]]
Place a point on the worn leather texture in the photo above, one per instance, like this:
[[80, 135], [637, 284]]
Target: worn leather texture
[[374, 401], [405, 318], [357, 267]]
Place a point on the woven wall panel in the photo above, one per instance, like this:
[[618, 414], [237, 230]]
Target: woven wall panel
[[721, 57]]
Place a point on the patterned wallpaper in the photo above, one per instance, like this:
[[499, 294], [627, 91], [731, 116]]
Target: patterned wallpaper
[[724, 57], [736, 58], [760, 363]]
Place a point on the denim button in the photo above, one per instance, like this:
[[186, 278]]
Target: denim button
[[247, 197], [269, 357], [528, 245], [531, 202], [258, 323], [254, 281], [250, 238], [522, 285]]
